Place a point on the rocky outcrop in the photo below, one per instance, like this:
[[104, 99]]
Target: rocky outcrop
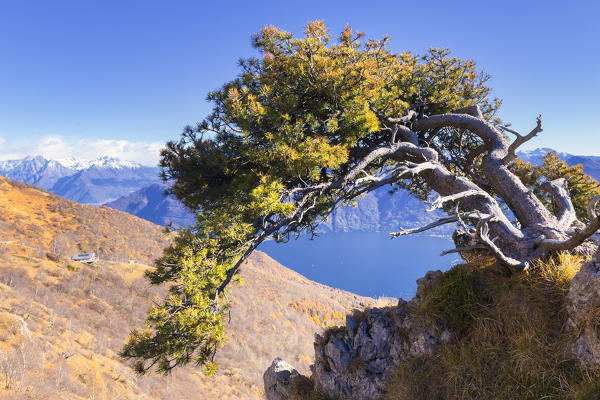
[[281, 381], [583, 304], [355, 361]]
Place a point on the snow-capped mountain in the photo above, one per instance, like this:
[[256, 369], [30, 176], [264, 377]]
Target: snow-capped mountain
[[35, 170], [102, 162], [84, 181]]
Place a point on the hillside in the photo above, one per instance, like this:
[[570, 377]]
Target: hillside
[[45, 222], [62, 323]]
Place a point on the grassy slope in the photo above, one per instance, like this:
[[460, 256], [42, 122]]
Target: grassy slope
[[33, 217], [513, 342], [62, 323]]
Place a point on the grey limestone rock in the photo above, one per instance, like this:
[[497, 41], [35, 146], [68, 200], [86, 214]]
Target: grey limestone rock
[[279, 381], [355, 361]]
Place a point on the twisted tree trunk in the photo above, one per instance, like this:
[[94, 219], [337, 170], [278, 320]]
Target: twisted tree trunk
[[484, 225], [539, 231]]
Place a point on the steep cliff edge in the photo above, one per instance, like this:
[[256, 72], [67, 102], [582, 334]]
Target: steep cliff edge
[[470, 333]]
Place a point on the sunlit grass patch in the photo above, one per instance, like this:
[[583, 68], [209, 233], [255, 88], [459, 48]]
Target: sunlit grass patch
[[515, 344]]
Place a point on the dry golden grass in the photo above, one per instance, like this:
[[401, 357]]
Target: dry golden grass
[[514, 344], [46, 223], [62, 323]]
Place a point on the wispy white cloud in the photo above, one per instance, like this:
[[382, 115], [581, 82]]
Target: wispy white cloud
[[60, 147]]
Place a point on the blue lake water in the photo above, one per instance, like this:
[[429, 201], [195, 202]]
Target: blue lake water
[[365, 263]]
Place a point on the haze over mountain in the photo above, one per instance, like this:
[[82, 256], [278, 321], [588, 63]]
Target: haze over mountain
[[377, 211], [137, 189], [151, 204], [89, 182]]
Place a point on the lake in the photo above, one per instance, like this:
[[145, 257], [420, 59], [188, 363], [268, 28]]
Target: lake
[[366, 263]]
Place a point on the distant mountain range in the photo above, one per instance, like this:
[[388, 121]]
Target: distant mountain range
[[591, 164], [151, 204], [376, 211], [136, 189], [89, 182]]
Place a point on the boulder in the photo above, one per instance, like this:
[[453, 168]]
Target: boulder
[[281, 381]]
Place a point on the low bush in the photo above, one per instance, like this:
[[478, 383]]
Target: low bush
[[456, 299]]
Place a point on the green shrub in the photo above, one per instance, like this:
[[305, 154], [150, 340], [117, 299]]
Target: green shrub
[[456, 298], [71, 267]]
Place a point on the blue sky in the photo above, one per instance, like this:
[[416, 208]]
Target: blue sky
[[123, 77]]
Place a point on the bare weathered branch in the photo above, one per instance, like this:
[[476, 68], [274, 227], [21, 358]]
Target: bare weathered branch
[[464, 248], [479, 150], [512, 149], [473, 111], [479, 126], [398, 128], [527, 208], [411, 114], [482, 235], [559, 190], [441, 200], [434, 224], [578, 237], [439, 222]]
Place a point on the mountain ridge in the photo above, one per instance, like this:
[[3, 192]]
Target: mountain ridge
[[376, 211], [151, 203], [85, 181], [137, 189]]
